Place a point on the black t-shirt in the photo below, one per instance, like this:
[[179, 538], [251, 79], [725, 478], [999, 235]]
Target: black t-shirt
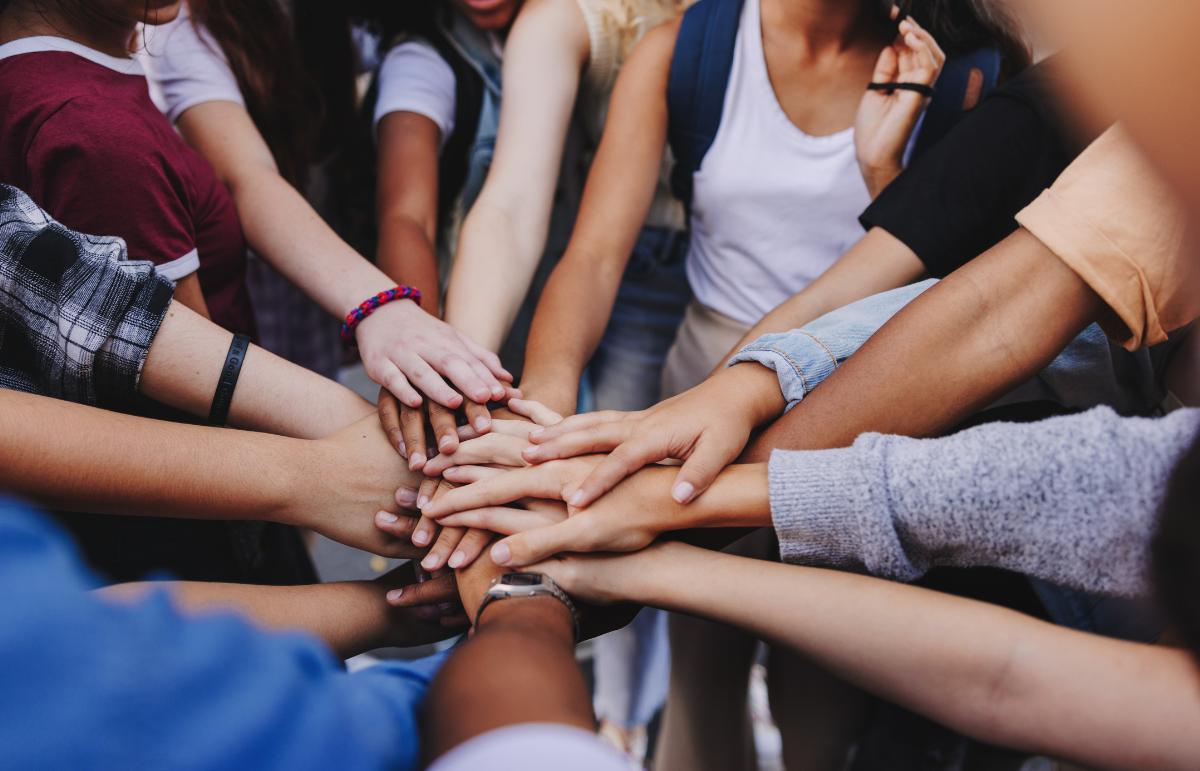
[[959, 199]]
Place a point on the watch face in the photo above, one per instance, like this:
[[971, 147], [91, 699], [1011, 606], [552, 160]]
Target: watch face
[[521, 579]]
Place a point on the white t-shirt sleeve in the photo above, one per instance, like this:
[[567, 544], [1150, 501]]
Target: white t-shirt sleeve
[[415, 78], [188, 66], [533, 747]]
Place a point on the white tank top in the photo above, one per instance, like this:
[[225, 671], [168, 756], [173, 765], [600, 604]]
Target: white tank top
[[772, 207]]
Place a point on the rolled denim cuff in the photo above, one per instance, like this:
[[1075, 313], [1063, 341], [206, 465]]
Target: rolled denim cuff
[[800, 360]]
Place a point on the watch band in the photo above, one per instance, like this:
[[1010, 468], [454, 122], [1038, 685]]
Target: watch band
[[552, 589]]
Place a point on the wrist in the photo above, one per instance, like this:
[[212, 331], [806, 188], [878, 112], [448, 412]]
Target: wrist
[[738, 497], [879, 176], [560, 393], [756, 388], [542, 613]]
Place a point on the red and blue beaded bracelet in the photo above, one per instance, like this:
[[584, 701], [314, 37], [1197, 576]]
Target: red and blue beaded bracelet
[[356, 316]]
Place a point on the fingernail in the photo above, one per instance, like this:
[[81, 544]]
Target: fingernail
[[529, 452], [577, 498], [482, 396], [420, 538], [500, 554], [446, 607], [482, 423], [403, 449], [386, 517], [536, 431], [406, 497], [416, 460], [456, 559], [444, 442], [430, 562], [394, 594], [683, 492], [424, 499]]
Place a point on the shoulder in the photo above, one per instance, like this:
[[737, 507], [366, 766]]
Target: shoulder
[[415, 62], [184, 60], [108, 131]]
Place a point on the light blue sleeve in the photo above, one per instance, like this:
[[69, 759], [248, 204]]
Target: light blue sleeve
[[804, 357]]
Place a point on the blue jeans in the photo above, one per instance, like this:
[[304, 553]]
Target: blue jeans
[[1125, 618], [632, 665]]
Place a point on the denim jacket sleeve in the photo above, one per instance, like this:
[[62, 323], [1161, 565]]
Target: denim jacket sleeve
[[804, 357]]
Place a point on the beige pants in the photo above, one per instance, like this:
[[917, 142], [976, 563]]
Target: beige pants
[[704, 339]]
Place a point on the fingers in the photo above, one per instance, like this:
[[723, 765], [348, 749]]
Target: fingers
[[465, 475], [929, 55], [461, 374], [496, 490], [445, 428], [397, 526], [423, 531], [443, 548], [412, 431], [620, 463], [541, 435], [536, 545], [406, 498], [489, 359], [432, 592], [535, 411], [388, 375], [470, 547], [519, 428], [478, 416], [601, 437], [886, 66], [425, 492], [505, 520], [433, 385], [489, 448], [389, 418]]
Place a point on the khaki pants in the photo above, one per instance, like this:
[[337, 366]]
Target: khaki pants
[[705, 338]]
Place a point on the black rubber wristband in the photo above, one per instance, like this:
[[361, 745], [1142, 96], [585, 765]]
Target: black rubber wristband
[[891, 88], [219, 412]]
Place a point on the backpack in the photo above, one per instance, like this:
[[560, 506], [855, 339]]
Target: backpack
[[700, 75]]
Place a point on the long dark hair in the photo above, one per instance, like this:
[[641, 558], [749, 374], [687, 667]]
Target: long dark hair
[[1175, 552], [296, 74], [962, 26]]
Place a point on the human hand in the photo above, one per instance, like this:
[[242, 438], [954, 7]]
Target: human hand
[[885, 121], [404, 349], [352, 478], [430, 614], [706, 427], [604, 579], [627, 518], [409, 428], [502, 446], [450, 547]]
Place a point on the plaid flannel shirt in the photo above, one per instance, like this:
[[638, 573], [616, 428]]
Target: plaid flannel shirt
[[77, 317]]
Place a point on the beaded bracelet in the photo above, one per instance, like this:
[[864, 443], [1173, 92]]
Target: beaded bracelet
[[356, 316]]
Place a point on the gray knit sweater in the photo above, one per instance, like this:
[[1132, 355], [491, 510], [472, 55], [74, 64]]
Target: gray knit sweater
[[1072, 500]]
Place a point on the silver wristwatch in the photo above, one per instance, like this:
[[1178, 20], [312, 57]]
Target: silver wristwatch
[[526, 585]]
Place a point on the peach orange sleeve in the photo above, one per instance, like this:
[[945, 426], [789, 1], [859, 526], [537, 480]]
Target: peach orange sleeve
[[1112, 220]]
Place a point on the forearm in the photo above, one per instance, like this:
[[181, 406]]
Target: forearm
[[495, 242], [352, 617], [988, 672], [272, 395], [79, 458], [408, 257], [567, 327], [1008, 313], [519, 667]]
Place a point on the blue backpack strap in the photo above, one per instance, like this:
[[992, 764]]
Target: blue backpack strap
[[696, 91], [964, 82]]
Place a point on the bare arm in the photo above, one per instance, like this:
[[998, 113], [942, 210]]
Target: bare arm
[[504, 234], [399, 342], [187, 292], [273, 395], [985, 329], [579, 296], [352, 617], [877, 263], [407, 201], [78, 458], [988, 672]]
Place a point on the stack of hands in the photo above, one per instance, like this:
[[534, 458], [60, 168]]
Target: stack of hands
[[539, 492]]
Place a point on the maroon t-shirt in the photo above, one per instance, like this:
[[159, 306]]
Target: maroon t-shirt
[[82, 137]]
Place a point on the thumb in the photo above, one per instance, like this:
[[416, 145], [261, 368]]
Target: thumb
[[699, 471], [535, 545]]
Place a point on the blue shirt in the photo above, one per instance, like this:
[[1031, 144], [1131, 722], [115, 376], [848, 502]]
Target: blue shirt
[[90, 684]]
